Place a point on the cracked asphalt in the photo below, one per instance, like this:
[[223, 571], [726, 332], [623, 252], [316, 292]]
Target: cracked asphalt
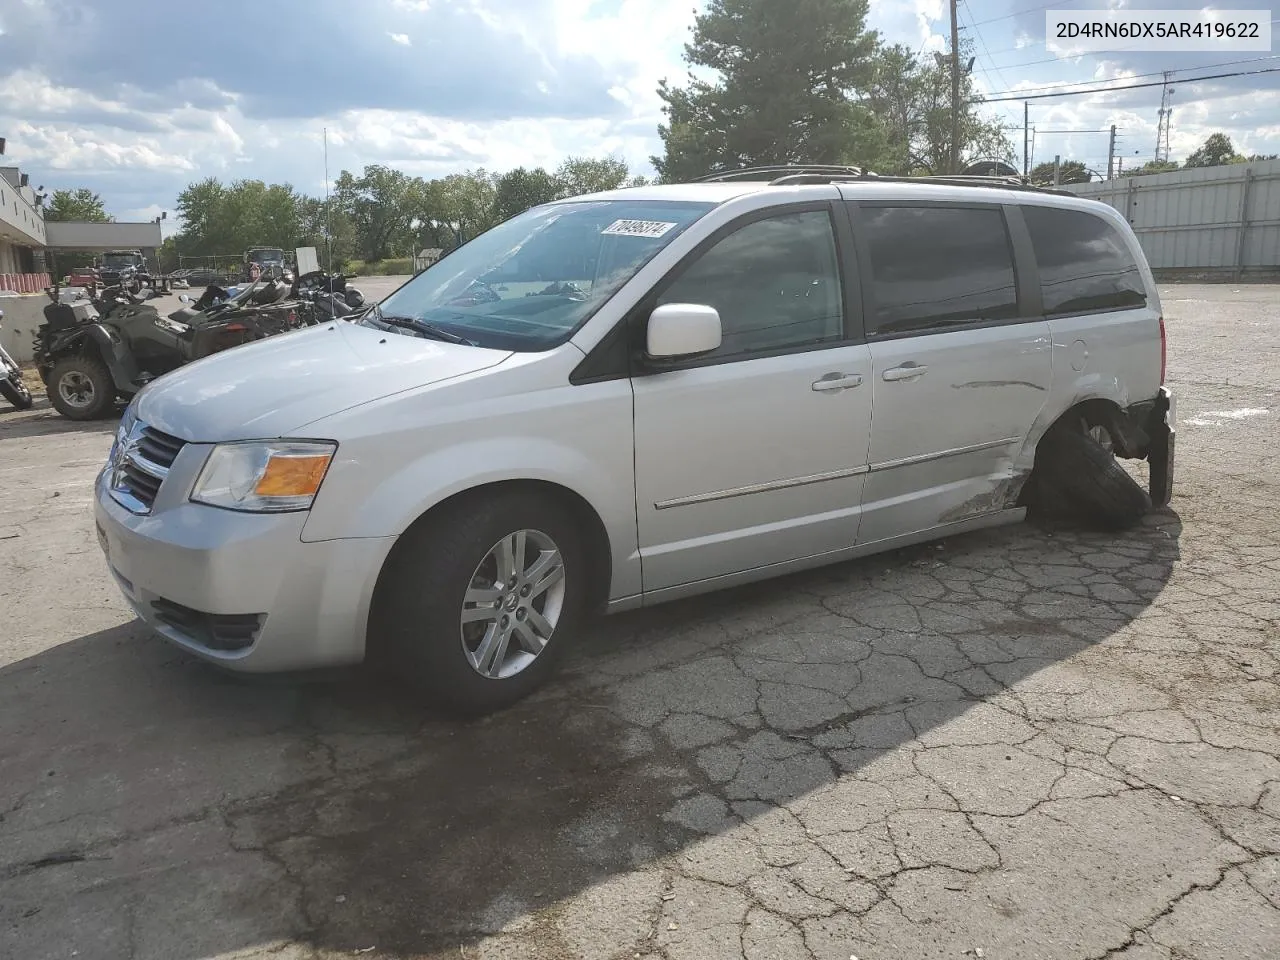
[[1024, 743]]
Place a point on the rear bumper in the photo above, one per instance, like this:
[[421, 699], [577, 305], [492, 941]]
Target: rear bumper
[[1152, 427]]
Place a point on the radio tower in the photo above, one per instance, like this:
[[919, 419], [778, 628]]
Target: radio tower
[[1166, 120]]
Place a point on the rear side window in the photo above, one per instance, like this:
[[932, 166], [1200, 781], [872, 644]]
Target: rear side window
[[937, 267], [1085, 264]]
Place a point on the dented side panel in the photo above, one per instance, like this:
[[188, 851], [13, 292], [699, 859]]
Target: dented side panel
[[949, 444]]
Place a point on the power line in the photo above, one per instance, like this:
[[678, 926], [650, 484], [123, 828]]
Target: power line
[[1154, 73], [977, 34], [1132, 86], [1018, 13]]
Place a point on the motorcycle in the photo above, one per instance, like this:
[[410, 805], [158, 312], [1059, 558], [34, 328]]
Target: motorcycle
[[11, 386], [91, 353], [327, 296]]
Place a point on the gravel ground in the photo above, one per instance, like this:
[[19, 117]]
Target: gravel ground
[[1026, 743]]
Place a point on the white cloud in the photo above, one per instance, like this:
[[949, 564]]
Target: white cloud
[[417, 6], [85, 150], [400, 38]]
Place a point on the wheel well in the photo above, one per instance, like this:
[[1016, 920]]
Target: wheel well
[[86, 346], [596, 537], [1100, 413]]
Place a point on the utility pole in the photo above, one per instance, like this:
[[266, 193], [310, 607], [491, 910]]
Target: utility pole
[[1111, 153], [955, 90], [1166, 119], [1057, 169], [1026, 138]]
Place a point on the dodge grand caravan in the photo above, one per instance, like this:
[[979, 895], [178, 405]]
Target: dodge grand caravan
[[634, 396]]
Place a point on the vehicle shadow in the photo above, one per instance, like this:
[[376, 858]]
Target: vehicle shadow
[[42, 421], [151, 806]]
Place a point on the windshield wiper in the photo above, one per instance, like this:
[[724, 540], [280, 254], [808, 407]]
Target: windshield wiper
[[425, 328]]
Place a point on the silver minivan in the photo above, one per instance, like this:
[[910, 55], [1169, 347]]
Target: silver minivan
[[634, 396]]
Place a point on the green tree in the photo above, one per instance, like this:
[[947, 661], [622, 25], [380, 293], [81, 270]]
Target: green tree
[[1151, 167], [378, 203], [519, 189], [911, 99], [226, 219], [1215, 151], [1070, 171], [79, 204], [456, 209], [787, 73], [582, 175]]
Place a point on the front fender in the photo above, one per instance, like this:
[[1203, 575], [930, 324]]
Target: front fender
[[115, 354], [347, 507]]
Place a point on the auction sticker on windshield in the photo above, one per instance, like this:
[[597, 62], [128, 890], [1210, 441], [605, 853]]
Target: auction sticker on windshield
[[637, 228]]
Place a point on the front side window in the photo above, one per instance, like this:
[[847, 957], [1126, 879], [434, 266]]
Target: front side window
[[937, 267], [1085, 264], [530, 282], [774, 282]]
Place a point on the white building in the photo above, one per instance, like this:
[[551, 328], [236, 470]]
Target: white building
[[22, 229], [25, 237]]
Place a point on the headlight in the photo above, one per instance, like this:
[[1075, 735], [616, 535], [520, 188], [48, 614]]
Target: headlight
[[265, 476]]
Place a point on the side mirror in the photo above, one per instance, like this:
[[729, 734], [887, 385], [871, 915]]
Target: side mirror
[[678, 330], [184, 298]]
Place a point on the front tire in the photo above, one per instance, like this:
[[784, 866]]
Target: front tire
[[16, 392], [476, 606], [80, 388]]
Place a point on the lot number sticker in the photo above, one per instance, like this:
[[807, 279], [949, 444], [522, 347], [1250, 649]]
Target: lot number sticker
[[637, 228]]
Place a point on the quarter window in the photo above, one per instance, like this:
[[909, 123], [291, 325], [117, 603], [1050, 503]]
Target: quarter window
[[1085, 264], [775, 283], [937, 267]]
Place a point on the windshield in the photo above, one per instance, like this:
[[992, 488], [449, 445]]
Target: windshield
[[114, 261], [527, 284], [266, 256]]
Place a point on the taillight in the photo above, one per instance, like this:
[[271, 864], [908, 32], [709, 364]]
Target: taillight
[[1164, 351], [241, 328]]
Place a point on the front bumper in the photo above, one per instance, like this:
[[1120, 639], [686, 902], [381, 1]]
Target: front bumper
[[241, 590]]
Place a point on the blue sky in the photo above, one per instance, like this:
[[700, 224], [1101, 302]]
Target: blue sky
[[137, 98]]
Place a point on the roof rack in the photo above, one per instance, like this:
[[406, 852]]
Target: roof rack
[[798, 174], [782, 171]]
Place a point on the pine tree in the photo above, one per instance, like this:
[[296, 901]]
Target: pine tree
[[788, 76]]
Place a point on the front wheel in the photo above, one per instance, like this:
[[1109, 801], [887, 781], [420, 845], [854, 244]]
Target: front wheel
[[16, 392], [475, 607], [80, 388]]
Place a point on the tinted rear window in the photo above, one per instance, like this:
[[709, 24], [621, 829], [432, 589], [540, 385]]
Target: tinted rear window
[[935, 267], [1085, 264]]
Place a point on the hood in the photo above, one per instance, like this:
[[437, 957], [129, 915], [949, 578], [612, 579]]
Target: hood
[[275, 386]]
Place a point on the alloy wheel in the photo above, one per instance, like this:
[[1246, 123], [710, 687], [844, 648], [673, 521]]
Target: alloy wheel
[[512, 604], [76, 389]]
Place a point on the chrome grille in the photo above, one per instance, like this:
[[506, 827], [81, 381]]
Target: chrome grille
[[159, 448], [139, 466]]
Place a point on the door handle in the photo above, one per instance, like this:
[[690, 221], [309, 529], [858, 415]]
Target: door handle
[[908, 371], [837, 381]]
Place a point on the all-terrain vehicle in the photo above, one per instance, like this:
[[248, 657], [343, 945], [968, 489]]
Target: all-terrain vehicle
[[89, 353]]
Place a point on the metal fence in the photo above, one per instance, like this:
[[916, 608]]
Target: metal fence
[[1213, 220]]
